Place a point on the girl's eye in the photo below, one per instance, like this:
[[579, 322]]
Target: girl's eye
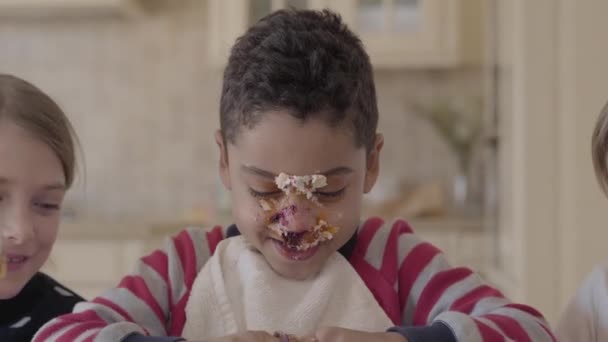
[[47, 208], [264, 194]]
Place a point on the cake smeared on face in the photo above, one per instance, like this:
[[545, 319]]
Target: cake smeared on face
[[282, 216], [302, 241], [301, 185], [278, 215]]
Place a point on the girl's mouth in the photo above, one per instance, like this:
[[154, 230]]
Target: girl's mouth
[[15, 262]]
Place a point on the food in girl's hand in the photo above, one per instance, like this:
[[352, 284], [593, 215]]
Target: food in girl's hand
[[3, 260], [3, 266]]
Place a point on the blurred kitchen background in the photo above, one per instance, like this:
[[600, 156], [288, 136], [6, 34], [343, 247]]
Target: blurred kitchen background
[[487, 107]]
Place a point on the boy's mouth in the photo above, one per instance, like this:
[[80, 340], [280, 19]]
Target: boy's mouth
[[292, 239], [292, 253], [302, 241]]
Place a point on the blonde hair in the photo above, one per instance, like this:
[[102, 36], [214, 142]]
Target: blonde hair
[[599, 149], [36, 112]]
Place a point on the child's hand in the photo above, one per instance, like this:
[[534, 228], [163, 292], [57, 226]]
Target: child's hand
[[334, 334], [248, 336]]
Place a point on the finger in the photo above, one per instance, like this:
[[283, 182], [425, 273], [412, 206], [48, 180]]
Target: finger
[[284, 337], [334, 334], [261, 336], [328, 333]]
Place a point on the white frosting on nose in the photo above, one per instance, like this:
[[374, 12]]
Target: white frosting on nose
[[302, 185]]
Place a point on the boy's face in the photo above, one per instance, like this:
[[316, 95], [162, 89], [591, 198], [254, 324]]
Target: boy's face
[[280, 143]]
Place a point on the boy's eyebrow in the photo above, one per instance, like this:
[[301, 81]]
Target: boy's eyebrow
[[340, 170], [259, 172]]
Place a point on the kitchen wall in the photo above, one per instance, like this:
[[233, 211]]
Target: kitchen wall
[[144, 103]]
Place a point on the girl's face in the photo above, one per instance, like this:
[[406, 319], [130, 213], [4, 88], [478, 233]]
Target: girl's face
[[32, 187]]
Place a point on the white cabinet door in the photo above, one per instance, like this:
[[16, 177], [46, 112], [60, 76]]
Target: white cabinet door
[[46, 8], [406, 33], [396, 33]]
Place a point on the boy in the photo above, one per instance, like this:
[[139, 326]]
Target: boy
[[298, 149]]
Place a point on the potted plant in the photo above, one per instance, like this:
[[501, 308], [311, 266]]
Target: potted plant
[[460, 127]]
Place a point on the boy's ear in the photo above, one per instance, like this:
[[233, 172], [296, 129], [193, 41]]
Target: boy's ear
[[223, 162], [373, 164]]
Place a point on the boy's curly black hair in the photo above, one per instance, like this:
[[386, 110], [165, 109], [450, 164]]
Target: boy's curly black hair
[[305, 62]]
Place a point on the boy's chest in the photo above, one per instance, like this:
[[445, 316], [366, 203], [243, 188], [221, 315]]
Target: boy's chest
[[249, 295]]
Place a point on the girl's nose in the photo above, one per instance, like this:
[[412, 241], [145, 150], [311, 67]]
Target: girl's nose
[[17, 225]]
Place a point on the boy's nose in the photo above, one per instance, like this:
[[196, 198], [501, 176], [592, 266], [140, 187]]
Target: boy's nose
[[300, 216]]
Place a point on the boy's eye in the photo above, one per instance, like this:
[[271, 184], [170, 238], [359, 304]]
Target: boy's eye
[[327, 195], [264, 194], [330, 195]]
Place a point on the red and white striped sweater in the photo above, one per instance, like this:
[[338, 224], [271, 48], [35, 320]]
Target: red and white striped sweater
[[409, 278]]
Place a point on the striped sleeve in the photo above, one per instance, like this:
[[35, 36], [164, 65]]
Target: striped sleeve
[[419, 290], [150, 302]]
